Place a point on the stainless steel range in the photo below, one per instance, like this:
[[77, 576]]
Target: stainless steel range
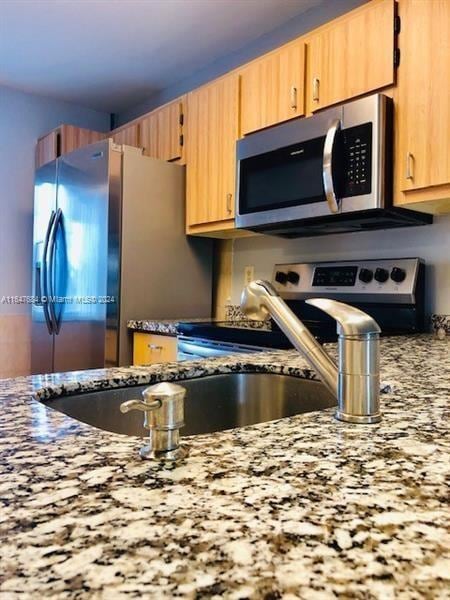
[[390, 290]]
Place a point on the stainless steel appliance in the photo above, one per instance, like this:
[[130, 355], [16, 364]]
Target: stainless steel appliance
[[389, 290], [109, 245], [328, 173]]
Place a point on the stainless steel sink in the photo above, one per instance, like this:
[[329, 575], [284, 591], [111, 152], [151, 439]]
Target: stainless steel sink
[[213, 403]]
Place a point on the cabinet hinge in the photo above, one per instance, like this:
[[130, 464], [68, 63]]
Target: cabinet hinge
[[397, 24], [396, 57], [181, 140], [181, 119]]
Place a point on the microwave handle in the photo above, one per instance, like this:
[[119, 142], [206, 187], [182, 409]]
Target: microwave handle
[[327, 170]]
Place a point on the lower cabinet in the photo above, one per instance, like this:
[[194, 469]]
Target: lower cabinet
[[150, 348]]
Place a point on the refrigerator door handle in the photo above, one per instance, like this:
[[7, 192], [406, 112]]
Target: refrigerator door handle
[[43, 274], [51, 270]]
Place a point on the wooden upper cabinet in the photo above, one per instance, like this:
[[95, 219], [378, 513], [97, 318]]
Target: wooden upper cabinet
[[353, 56], [47, 148], [162, 132], [62, 140], [77, 137], [212, 131], [273, 88], [127, 134], [423, 100]]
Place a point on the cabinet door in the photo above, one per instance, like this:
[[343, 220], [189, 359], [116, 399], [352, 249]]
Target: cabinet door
[[423, 107], [149, 349], [273, 88], [354, 56], [73, 137], [47, 148], [161, 132], [212, 131], [126, 135]]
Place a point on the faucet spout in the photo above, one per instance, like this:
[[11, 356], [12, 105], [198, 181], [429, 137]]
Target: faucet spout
[[355, 381], [260, 300]]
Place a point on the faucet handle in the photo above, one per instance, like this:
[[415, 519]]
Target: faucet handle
[[351, 320]]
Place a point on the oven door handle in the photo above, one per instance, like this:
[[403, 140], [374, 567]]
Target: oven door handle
[[327, 170]]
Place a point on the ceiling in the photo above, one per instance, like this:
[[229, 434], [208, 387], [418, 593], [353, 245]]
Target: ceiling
[[112, 54]]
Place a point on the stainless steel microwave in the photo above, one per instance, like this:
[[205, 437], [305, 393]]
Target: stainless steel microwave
[[328, 173]]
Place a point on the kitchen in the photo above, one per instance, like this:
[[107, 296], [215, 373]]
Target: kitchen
[[304, 144]]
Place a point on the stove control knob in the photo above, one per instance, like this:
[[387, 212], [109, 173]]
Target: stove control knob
[[293, 277], [281, 277], [381, 275], [366, 275], [398, 275]]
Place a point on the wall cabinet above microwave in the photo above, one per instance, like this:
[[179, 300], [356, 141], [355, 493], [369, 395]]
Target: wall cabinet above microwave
[[352, 56], [273, 88]]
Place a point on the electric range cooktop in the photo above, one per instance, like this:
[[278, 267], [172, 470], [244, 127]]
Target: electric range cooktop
[[252, 333], [389, 290]]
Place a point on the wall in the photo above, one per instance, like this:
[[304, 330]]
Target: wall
[[23, 118], [430, 242], [314, 17]]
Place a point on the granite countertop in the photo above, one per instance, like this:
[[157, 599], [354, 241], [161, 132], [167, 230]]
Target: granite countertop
[[170, 327], [166, 327], [304, 507]]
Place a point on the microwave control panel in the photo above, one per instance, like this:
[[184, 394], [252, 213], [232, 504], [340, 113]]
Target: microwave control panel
[[357, 142]]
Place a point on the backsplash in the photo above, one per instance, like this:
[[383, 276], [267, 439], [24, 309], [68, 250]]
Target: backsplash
[[430, 242], [440, 323]]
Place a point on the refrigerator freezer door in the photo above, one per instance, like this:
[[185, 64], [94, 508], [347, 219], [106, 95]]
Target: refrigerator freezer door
[[79, 259], [44, 215]]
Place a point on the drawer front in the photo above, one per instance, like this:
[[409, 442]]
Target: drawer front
[[149, 349]]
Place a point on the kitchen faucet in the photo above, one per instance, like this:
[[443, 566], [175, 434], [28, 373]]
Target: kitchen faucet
[[355, 382]]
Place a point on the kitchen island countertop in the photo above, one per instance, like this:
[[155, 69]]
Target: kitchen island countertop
[[304, 507]]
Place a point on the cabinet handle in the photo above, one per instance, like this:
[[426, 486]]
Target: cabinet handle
[[155, 347], [229, 206], [293, 97], [409, 166], [316, 84]]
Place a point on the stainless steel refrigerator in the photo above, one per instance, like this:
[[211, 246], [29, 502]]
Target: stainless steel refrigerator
[[109, 246]]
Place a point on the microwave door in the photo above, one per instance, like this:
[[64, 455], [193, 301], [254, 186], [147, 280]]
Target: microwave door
[[288, 183]]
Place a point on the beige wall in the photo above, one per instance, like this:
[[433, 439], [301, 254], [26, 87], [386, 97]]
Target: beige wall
[[14, 345]]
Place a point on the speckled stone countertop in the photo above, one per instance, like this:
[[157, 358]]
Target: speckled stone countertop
[[305, 507], [167, 327]]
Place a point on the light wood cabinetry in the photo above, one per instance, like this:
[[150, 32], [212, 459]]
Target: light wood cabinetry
[[149, 348], [423, 106], [77, 137], [46, 148], [212, 131], [273, 88], [353, 55], [62, 140], [128, 135], [161, 134]]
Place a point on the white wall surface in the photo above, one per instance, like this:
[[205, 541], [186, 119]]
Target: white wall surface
[[23, 118], [430, 242]]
